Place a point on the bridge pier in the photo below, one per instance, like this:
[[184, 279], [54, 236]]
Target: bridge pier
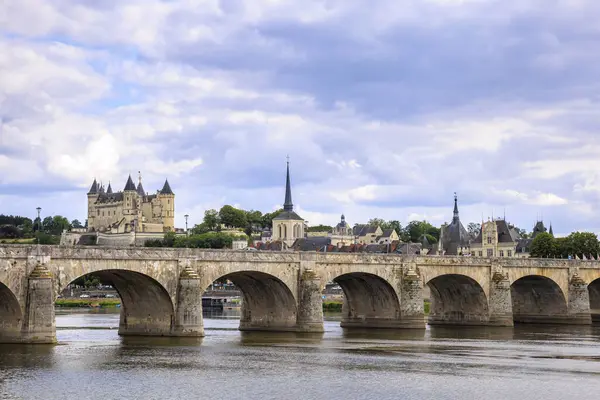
[[500, 301], [310, 302], [39, 325], [188, 317], [578, 309], [412, 310]]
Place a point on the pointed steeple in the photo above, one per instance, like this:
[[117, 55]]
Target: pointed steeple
[[288, 205], [94, 188], [109, 189], [550, 231], [455, 215], [129, 185], [140, 188], [166, 188]]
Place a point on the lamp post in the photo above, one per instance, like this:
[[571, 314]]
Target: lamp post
[[39, 209], [186, 216]]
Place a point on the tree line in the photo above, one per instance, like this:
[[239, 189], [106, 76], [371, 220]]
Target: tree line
[[46, 230], [207, 240], [576, 245]]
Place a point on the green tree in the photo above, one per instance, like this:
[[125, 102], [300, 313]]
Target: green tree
[[232, 217], [76, 224], [377, 222], [395, 225], [267, 219], [211, 219], [415, 229], [584, 244], [320, 228], [543, 246]]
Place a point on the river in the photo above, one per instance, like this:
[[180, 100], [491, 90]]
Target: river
[[93, 362]]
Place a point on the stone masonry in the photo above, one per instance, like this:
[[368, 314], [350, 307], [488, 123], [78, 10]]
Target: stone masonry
[[161, 289]]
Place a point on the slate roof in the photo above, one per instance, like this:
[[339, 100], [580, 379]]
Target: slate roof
[[166, 188], [313, 243], [288, 215], [109, 197], [129, 185], [109, 189], [363, 230], [140, 189], [538, 228], [454, 236], [94, 188]]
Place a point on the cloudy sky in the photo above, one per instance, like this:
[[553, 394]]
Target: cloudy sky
[[385, 107]]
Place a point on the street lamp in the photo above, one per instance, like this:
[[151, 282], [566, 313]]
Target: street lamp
[[39, 229], [186, 216]]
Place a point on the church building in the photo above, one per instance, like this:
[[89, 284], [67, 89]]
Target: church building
[[131, 209], [288, 226], [454, 238]]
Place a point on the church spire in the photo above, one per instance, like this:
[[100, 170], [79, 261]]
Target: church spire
[[455, 216], [288, 205], [550, 231]]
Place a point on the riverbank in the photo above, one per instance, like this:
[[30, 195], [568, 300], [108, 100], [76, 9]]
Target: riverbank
[[88, 303], [328, 306]]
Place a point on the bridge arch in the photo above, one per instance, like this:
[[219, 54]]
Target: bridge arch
[[11, 315], [457, 299], [538, 299], [146, 305], [594, 292], [370, 301], [268, 303]]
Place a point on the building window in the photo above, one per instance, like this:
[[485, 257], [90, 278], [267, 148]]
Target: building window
[[480, 254], [98, 212], [509, 252], [489, 240], [490, 252], [501, 253]]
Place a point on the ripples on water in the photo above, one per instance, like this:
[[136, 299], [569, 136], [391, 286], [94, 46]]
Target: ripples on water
[[93, 362]]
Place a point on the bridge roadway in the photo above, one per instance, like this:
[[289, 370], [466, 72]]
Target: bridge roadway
[[161, 289]]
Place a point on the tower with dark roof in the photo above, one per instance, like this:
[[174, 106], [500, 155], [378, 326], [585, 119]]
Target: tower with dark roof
[[133, 207], [288, 226], [454, 238]]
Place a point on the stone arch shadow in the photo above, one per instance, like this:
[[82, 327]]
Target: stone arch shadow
[[457, 300], [11, 316], [146, 306], [268, 304], [537, 299], [594, 293], [370, 301]]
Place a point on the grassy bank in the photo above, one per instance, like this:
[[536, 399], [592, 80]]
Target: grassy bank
[[336, 306], [87, 303]]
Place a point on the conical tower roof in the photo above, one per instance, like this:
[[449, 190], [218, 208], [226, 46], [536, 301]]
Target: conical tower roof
[[94, 188], [109, 189], [140, 189], [129, 185], [166, 188]]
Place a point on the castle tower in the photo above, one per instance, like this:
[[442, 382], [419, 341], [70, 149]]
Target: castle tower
[[167, 201], [130, 204], [92, 196], [288, 226]]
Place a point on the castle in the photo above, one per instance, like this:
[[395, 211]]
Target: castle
[[130, 210]]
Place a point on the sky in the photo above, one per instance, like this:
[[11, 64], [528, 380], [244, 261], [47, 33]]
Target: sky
[[385, 108]]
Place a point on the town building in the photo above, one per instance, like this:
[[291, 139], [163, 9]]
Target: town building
[[287, 226], [130, 210], [454, 238], [497, 238], [524, 245]]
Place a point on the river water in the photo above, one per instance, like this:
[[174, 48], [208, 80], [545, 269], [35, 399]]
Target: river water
[[93, 362]]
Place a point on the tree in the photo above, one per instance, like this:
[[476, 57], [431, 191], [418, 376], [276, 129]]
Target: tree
[[395, 225], [10, 232], [522, 232], [583, 244], [377, 222], [416, 229], [267, 219], [76, 224], [232, 217], [320, 228], [211, 219], [473, 228], [543, 246]]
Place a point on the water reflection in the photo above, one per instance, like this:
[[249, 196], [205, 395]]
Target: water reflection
[[528, 361]]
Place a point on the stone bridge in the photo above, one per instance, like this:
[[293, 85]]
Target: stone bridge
[[161, 289]]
